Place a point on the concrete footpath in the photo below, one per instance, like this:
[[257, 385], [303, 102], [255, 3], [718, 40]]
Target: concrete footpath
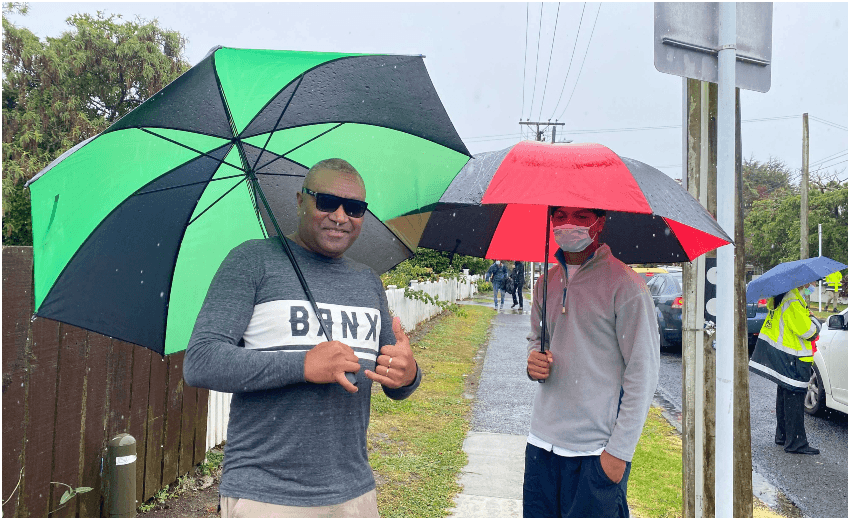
[[495, 444]]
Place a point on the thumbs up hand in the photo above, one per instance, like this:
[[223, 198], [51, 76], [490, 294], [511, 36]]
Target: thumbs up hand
[[395, 365]]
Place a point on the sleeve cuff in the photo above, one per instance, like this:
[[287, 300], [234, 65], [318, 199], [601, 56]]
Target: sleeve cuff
[[405, 391]]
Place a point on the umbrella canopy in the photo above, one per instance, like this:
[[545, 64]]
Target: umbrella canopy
[[497, 205], [789, 275], [130, 226]]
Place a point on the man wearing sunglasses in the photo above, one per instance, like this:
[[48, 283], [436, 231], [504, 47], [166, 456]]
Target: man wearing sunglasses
[[296, 443]]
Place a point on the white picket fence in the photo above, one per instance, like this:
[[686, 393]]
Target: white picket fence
[[411, 311]]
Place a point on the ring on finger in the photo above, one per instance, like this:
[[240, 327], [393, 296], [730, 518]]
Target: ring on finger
[[388, 370], [390, 363]]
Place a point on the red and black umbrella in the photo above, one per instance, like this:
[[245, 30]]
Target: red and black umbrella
[[497, 206]]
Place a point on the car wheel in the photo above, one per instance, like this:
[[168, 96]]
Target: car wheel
[[815, 401]]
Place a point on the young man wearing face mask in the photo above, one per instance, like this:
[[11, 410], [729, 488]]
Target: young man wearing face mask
[[600, 373]]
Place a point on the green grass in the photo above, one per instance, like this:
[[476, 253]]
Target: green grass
[[416, 445], [655, 483]]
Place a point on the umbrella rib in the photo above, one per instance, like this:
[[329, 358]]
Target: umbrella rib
[[283, 155], [204, 154], [274, 128], [189, 184], [214, 203]]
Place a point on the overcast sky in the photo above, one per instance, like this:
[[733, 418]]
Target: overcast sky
[[492, 66]]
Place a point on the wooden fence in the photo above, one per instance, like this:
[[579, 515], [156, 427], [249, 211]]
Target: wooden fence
[[67, 391]]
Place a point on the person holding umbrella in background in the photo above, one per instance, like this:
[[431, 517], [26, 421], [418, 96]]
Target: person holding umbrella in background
[[296, 442], [783, 354], [600, 375]]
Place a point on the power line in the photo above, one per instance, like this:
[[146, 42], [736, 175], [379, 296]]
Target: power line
[[525, 59], [551, 51], [570, 66], [830, 158], [832, 155], [582, 61], [537, 60], [828, 123]]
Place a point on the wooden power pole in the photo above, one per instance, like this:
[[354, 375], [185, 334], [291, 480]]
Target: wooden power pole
[[804, 193], [698, 356]]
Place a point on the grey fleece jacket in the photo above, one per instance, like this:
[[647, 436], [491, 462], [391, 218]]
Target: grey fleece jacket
[[290, 442], [604, 338]]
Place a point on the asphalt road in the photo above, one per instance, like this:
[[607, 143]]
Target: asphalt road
[[816, 484]]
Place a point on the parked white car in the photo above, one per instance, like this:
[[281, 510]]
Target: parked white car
[[828, 384]]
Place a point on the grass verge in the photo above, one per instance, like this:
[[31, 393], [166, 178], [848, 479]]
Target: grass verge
[[655, 483], [824, 314], [416, 445]]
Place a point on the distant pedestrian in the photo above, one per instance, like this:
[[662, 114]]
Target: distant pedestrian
[[833, 283], [497, 273], [518, 277], [600, 375], [783, 354]]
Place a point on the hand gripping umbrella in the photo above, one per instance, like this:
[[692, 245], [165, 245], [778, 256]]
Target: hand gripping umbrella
[[790, 275], [498, 207], [130, 226]]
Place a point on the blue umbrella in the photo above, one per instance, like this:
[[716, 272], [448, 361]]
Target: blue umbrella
[[789, 275]]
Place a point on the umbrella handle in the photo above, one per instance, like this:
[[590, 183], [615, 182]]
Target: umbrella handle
[[543, 334]]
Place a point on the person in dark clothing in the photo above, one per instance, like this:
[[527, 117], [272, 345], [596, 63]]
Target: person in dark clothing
[[518, 276], [497, 274]]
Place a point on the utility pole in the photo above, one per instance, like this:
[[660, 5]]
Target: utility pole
[[538, 134], [804, 193]]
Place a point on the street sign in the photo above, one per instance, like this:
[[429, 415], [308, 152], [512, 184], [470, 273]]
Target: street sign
[[687, 41]]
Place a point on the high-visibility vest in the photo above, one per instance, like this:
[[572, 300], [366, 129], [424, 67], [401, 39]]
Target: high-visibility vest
[[834, 280], [783, 351]]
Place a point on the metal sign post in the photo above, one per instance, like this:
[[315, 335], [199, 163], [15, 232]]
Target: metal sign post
[[728, 44]]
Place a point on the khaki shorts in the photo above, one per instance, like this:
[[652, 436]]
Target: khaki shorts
[[364, 506]]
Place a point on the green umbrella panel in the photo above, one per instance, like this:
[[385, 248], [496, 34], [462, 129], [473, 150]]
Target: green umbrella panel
[[130, 226]]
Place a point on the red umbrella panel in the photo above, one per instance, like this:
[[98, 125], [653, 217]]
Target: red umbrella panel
[[497, 204]]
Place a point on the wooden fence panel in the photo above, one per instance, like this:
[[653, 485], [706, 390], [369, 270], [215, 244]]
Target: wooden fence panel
[[187, 429], [41, 407], [139, 414], [119, 388], [201, 426], [173, 419], [155, 425], [17, 309], [69, 412], [94, 436]]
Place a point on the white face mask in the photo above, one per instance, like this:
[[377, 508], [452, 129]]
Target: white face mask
[[572, 238]]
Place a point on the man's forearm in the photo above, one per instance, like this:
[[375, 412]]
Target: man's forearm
[[223, 367]]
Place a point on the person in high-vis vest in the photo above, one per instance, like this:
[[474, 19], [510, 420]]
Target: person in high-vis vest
[[833, 283], [783, 354]]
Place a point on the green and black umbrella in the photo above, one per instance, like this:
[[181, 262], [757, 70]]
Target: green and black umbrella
[[130, 226]]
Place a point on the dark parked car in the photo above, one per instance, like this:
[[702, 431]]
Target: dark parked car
[[666, 291]]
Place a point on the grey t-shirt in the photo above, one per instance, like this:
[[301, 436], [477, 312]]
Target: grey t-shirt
[[290, 442]]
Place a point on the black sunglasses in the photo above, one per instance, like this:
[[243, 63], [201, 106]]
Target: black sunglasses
[[329, 203]]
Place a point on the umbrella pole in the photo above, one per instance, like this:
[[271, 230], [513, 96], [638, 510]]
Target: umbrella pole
[[288, 251], [543, 335]]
